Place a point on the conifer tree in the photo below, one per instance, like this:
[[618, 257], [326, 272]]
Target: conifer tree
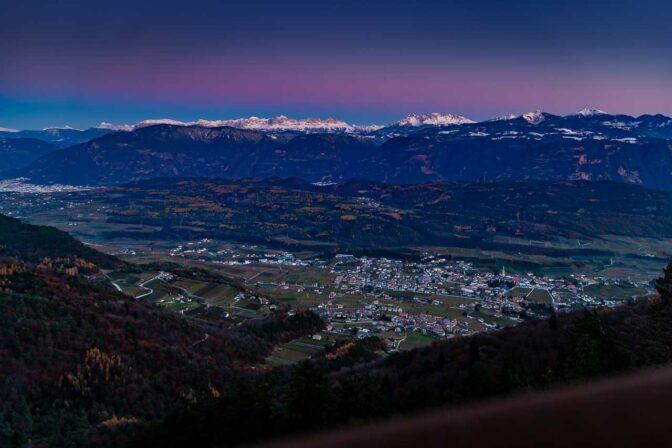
[[664, 284]]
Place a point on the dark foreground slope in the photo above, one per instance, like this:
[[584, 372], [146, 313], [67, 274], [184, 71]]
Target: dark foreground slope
[[83, 365], [623, 412], [337, 391]]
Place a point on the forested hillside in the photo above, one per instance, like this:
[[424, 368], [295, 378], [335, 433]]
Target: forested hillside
[[83, 365], [32, 243]]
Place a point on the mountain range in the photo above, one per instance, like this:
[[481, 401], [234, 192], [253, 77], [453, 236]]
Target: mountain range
[[588, 145], [60, 137], [650, 125]]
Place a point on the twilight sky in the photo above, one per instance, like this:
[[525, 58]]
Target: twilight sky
[[79, 62]]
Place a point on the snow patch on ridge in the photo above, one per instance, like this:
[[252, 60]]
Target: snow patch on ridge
[[535, 117], [113, 127], [433, 119], [590, 112], [60, 128], [506, 117]]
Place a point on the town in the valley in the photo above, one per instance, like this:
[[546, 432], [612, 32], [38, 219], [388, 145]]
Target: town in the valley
[[433, 297]]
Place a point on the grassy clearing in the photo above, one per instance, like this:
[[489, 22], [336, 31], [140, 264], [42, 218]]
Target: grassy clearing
[[489, 317], [186, 305], [415, 340], [295, 351]]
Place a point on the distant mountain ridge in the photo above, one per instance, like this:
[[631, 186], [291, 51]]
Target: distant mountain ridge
[[589, 145], [68, 135], [594, 121], [646, 125], [276, 124], [60, 137], [19, 152]]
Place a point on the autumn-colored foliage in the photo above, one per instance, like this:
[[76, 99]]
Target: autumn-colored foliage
[[87, 358]]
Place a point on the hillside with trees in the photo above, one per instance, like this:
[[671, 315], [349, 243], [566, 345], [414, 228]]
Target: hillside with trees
[[32, 243], [83, 365]]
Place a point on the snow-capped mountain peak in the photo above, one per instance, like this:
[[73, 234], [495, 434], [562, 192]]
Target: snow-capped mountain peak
[[590, 112], [433, 119], [535, 117], [506, 117], [115, 127], [60, 128], [153, 122], [8, 130], [279, 123]]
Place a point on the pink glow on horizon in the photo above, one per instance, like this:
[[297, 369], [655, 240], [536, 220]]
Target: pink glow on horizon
[[373, 86]]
